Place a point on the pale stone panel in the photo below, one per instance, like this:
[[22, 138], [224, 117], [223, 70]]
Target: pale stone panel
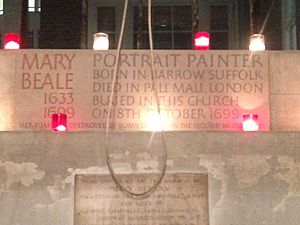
[[253, 177], [196, 90], [180, 198], [285, 90], [284, 72], [285, 112], [7, 78]]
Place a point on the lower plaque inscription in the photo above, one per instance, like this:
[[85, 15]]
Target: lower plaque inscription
[[181, 199]]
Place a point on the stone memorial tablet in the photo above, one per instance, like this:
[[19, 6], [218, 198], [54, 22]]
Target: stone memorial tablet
[[181, 199], [196, 90]]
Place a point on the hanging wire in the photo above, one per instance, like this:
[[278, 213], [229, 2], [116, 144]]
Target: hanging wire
[[196, 16], [115, 72], [140, 23], [267, 17], [251, 16], [265, 20], [164, 147]]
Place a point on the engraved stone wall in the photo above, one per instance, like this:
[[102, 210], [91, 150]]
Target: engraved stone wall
[[196, 90], [179, 199], [252, 178]]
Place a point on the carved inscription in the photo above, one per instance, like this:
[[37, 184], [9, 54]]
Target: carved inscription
[[195, 90], [49, 81], [181, 199], [206, 91]]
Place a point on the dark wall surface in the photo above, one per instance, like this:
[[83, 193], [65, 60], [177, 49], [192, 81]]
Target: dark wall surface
[[60, 24]]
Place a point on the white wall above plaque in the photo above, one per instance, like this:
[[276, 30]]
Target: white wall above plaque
[[180, 199]]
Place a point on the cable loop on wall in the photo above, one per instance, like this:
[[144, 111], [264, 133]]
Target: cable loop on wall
[[115, 73]]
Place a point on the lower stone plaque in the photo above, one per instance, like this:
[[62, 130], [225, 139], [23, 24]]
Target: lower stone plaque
[[180, 199]]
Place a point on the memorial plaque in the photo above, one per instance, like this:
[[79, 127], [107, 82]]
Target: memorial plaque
[[196, 90], [181, 199]]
